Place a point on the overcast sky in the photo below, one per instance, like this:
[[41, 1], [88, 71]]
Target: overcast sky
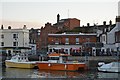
[[35, 13]]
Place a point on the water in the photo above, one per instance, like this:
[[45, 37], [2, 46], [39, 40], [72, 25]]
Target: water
[[35, 73]]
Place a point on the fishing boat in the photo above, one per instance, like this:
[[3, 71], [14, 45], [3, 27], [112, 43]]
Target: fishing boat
[[109, 67], [59, 61], [20, 61]]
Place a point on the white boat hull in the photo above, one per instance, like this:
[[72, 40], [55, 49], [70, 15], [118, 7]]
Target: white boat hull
[[111, 67]]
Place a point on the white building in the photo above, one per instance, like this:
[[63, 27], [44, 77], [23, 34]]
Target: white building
[[14, 40], [111, 42]]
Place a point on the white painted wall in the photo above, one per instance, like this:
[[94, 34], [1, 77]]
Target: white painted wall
[[111, 34], [23, 38]]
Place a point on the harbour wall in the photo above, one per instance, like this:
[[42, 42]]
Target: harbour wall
[[94, 60]]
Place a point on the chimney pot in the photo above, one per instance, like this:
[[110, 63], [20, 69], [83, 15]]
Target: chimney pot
[[2, 27], [9, 27], [58, 18], [104, 22], [88, 24]]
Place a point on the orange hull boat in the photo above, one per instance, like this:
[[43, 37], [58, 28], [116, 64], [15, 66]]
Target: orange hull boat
[[62, 66], [59, 61]]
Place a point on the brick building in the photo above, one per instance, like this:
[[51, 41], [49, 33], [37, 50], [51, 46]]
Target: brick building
[[69, 43], [44, 35], [67, 24], [34, 37], [61, 25]]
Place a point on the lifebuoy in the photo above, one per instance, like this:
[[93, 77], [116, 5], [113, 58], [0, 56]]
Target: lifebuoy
[[49, 64]]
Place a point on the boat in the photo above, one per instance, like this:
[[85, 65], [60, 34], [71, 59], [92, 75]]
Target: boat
[[59, 61], [109, 67], [20, 61]]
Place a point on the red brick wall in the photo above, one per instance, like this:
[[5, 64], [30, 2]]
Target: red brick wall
[[72, 39], [44, 35], [72, 23]]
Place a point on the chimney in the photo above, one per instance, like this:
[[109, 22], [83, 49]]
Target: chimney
[[88, 24], [104, 22], [110, 22], [48, 24], [9, 27], [24, 27], [2, 27], [58, 18], [117, 18]]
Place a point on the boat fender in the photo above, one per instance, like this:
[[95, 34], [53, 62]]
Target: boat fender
[[65, 66], [49, 64]]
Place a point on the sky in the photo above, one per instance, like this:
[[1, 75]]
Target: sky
[[35, 13]]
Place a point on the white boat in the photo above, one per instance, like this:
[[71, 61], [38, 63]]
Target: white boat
[[110, 67], [20, 61]]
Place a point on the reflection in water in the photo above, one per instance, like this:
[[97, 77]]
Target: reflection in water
[[0, 71], [56, 74], [108, 75], [17, 73], [35, 73]]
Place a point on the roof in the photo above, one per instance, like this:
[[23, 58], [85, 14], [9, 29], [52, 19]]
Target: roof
[[57, 54]]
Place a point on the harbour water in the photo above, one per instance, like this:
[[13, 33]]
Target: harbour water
[[15, 73]]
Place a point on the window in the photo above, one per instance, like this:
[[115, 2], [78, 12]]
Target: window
[[66, 40], [2, 36], [116, 38], [77, 40], [38, 33], [15, 35], [15, 43], [2, 43], [56, 41], [34, 41], [88, 39], [103, 37]]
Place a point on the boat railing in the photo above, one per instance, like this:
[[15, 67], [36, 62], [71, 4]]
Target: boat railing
[[20, 57]]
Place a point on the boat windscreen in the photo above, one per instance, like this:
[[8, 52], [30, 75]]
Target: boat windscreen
[[53, 58]]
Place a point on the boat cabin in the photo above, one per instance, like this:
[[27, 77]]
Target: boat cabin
[[58, 57], [19, 58]]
